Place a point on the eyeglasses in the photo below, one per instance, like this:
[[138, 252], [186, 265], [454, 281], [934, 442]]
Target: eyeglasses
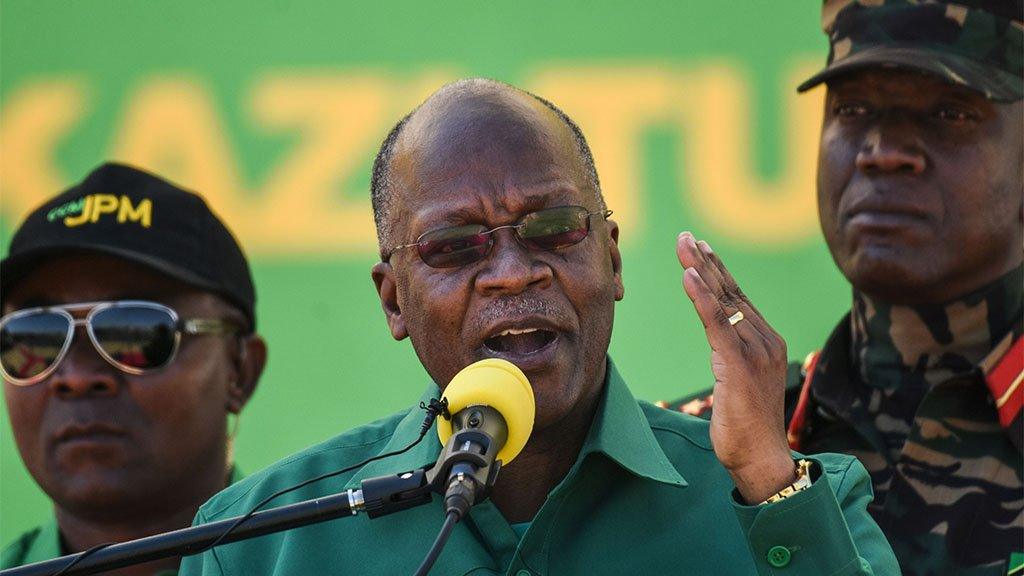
[[135, 336], [543, 230]]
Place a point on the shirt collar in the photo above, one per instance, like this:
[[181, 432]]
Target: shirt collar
[[620, 431], [46, 544]]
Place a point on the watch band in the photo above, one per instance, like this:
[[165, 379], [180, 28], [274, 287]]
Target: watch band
[[803, 482]]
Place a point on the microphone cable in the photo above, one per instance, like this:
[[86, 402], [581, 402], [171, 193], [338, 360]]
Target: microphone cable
[[450, 519], [434, 409]]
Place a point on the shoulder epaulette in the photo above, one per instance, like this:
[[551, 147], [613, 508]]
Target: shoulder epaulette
[[798, 421], [1004, 372]]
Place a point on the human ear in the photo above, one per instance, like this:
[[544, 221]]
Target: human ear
[[384, 278], [616, 256], [250, 359]]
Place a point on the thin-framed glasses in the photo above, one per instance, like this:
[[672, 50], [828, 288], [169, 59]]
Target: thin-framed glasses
[[543, 230], [135, 336]]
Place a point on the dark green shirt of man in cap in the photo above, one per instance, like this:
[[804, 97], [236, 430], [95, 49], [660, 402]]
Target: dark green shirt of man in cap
[[496, 243], [127, 338], [921, 200]]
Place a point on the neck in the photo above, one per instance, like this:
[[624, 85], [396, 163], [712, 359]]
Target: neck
[[894, 344], [81, 530], [524, 485]]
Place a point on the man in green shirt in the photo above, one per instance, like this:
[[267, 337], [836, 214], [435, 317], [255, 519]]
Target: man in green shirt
[[495, 242], [127, 337]]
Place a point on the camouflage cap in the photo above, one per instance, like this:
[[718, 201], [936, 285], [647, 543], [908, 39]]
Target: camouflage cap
[[975, 43]]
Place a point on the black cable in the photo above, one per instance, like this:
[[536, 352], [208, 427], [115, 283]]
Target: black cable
[[450, 520], [434, 409], [81, 557]]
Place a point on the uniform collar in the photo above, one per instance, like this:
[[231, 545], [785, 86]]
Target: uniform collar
[[619, 431], [833, 389]]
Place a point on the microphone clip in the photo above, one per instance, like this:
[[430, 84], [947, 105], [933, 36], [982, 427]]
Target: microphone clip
[[467, 467]]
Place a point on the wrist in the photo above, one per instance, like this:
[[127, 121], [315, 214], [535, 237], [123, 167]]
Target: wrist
[[757, 481]]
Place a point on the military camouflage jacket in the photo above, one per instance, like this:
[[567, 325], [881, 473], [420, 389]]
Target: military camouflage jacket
[[949, 493]]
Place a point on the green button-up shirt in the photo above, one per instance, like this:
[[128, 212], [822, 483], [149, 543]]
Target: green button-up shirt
[[44, 542], [645, 496]]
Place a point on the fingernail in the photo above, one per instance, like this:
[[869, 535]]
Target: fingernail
[[705, 247]]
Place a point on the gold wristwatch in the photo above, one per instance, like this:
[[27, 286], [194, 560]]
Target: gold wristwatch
[[803, 482]]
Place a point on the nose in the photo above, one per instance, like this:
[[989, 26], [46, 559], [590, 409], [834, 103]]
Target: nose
[[83, 372], [511, 268], [891, 147]]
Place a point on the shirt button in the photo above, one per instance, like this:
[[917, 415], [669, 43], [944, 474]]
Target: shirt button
[[523, 573], [779, 556]]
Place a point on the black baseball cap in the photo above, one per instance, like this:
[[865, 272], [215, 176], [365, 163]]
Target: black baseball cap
[[131, 214]]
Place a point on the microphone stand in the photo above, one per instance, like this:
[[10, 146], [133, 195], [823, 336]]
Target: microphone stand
[[376, 497]]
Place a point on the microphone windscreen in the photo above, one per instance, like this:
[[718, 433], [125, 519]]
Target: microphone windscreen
[[501, 385]]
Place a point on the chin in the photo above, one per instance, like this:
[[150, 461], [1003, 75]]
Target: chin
[[94, 494], [898, 280]]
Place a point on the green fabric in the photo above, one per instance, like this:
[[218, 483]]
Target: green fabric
[[520, 529], [43, 542], [623, 506]]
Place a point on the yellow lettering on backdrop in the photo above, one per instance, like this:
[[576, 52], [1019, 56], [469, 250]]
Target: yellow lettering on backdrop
[[171, 127], [72, 221], [143, 213], [339, 118], [613, 105], [35, 118], [716, 115], [342, 120]]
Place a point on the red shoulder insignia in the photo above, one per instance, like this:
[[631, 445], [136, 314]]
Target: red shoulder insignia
[[1003, 374], [794, 432]]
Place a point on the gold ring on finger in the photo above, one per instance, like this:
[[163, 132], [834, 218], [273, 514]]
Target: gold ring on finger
[[735, 318]]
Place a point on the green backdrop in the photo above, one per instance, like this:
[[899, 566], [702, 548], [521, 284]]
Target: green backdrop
[[274, 111]]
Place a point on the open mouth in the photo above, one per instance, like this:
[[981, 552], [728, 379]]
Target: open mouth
[[520, 342]]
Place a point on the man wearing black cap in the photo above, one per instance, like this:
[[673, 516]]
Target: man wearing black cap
[[127, 337], [920, 191]]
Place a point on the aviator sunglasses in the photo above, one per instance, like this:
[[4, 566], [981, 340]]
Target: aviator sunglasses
[[134, 336], [543, 230]]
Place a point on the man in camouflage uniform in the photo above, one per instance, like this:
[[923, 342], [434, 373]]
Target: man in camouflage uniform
[[920, 199]]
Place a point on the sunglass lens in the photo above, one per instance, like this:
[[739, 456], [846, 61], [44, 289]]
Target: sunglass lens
[[136, 336], [555, 228], [30, 344], [455, 246]]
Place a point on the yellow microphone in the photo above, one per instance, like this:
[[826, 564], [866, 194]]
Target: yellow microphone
[[492, 409]]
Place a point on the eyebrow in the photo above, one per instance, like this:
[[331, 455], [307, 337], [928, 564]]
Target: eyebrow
[[555, 194]]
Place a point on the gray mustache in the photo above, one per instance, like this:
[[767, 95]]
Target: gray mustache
[[520, 305]]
